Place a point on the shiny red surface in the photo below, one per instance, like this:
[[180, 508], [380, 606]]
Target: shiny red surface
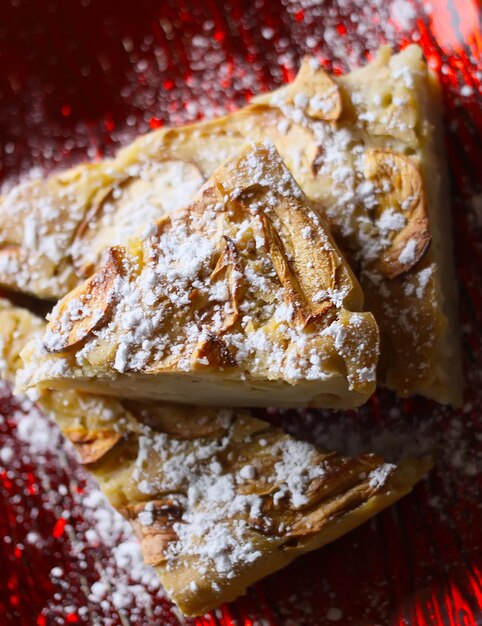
[[78, 79]]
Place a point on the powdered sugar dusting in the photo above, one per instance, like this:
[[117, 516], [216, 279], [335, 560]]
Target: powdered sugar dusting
[[296, 470], [407, 255], [88, 527], [33, 136]]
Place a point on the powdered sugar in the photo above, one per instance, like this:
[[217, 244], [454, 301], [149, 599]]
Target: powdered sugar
[[407, 255], [379, 476], [296, 471], [424, 277]]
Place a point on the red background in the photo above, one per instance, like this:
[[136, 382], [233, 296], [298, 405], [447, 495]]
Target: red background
[[77, 79]]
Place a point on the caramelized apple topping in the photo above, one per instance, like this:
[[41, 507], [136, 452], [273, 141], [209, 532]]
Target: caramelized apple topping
[[297, 283], [86, 308], [229, 267], [180, 421], [153, 523], [316, 92], [345, 484], [212, 351], [92, 445], [402, 193]]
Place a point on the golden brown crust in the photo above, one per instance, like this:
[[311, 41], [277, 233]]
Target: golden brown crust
[[416, 292]]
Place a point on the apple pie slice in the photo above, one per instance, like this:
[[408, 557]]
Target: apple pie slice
[[241, 298], [365, 146], [218, 498]]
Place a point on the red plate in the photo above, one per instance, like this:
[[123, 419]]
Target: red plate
[[78, 79]]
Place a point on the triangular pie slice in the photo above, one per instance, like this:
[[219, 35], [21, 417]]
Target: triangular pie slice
[[241, 299], [218, 498], [366, 146]]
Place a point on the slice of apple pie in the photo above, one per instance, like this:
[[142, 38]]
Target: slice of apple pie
[[241, 299], [218, 498], [365, 146]]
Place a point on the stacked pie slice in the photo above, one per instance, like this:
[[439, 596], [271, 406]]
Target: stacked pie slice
[[364, 147], [241, 297], [218, 498], [293, 254]]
